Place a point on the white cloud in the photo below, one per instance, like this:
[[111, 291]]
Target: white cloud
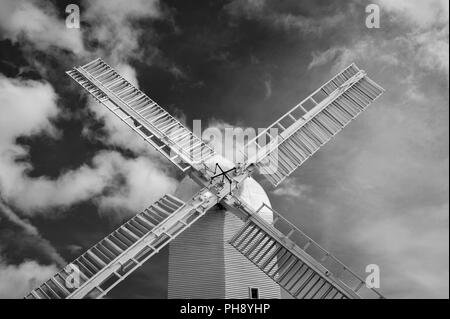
[[117, 133], [17, 280], [425, 43], [427, 51], [120, 11], [227, 140], [114, 26], [116, 183], [381, 189], [266, 11], [8, 213], [29, 236], [37, 22], [313, 25], [268, 88], [146, 181], [324, 57], [248, 8], [387, 198], [406, 130], [29, 106], [417, 12], [433, 49], [26, 108], [292, 188]]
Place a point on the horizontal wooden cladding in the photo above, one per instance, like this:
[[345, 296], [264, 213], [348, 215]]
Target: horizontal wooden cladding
[[240, 273], [203, 265], [196, 265]]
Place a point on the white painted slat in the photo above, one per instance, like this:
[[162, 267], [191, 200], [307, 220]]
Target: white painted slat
[[336, 103], [112, 90], [98, 265], [308, 272]]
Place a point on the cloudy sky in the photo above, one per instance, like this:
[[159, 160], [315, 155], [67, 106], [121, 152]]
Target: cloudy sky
[[70, 173]]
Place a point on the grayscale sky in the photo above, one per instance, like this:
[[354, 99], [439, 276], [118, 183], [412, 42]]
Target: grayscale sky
[[70, 173]]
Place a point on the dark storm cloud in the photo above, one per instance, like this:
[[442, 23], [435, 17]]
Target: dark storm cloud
[[379, 192], [43, 114], [20, 238], [21, 245], [385, 176]]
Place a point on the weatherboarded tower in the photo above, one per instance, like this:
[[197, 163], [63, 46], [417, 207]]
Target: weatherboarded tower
[[202, 264]]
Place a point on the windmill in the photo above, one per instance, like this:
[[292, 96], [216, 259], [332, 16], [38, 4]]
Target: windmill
[[274, 246]]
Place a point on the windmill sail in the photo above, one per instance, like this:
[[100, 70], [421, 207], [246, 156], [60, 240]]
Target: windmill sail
[[294, 261], [143, 115], [116, 256], [312, 123], [281, 250]]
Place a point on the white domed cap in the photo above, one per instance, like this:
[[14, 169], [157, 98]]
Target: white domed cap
[[250, 191], [254, 196]]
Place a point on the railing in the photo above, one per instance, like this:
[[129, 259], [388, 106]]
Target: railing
[[301, 106], [205, 149], [321, 255]]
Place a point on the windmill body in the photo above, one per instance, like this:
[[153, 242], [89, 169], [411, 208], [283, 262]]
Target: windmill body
[[267, 244], [204, 249]]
